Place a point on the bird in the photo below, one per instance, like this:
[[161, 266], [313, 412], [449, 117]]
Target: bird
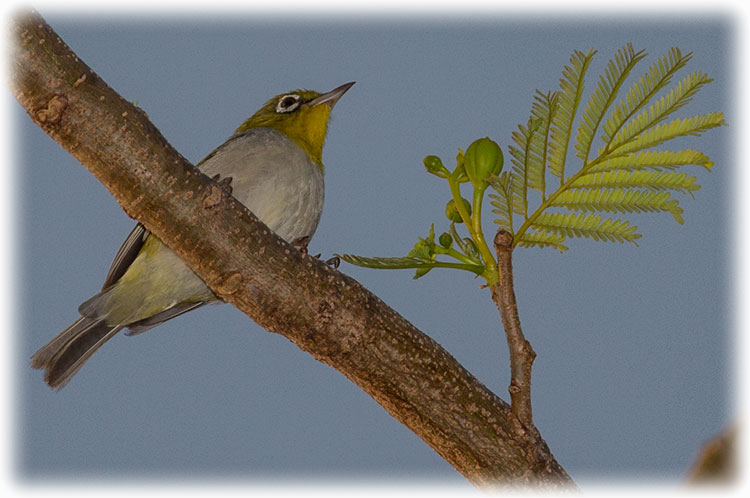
[[272, 164]]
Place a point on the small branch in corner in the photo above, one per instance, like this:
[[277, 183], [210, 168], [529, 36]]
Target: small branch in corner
[[521, 353]]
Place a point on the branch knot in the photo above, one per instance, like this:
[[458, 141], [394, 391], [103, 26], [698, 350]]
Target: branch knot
[[503, 239], [214, 197], [53, 112]]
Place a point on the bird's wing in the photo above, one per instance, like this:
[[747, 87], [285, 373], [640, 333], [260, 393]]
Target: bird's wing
[[127, 253], [133, 243], [141, 326]]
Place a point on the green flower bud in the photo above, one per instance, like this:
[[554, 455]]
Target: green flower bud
[[435, 166], [483, 158], [451, 212], [445, 240]]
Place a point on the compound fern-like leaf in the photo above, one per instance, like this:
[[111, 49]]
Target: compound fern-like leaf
[[628, 175]]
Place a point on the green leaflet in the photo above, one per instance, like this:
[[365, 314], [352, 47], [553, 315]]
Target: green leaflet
[[502, 201], [422, 266], [538, 239], [527, 162], [653, 159], [666, 131], [423, 257], [603, 96], [652, 180], [586, 225], [529, 159], [571, 91], [619, 201], [657, 77], [659, 110], [384, 263]]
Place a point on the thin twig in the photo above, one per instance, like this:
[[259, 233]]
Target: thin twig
[[521, 353]]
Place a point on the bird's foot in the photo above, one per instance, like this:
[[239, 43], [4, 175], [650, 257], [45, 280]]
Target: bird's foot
[[301, 245], [224, 183]]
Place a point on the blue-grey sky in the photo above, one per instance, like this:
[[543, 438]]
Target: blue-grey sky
[[634, 366]]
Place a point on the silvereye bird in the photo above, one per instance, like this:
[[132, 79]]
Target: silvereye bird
[[273, 166]]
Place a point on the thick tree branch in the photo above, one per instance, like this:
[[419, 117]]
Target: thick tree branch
[[717, 460], [521, 353], [324, 312]]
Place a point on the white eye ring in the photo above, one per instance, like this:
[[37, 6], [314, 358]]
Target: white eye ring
[[288, 103]]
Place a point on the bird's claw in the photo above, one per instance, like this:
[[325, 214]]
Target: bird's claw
[[333, 262]]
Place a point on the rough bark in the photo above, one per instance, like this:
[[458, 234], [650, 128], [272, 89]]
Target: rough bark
[[324, 312]]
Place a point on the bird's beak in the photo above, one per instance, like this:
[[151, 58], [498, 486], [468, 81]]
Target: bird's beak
[[331, 97]]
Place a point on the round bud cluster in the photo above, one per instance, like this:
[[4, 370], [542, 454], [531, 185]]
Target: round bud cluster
[[446, 240], [435, 166], [451, 211]]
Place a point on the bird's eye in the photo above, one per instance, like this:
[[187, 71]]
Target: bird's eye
[[287, 103]]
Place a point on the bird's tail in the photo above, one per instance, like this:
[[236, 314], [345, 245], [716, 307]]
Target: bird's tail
[[66, 353]]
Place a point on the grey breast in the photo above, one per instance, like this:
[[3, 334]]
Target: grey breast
[[274, 178]]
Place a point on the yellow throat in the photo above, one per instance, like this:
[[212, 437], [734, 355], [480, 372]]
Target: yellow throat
[[301, 115]]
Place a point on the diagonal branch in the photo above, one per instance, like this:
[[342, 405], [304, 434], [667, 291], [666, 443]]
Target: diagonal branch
[[324, 312]]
